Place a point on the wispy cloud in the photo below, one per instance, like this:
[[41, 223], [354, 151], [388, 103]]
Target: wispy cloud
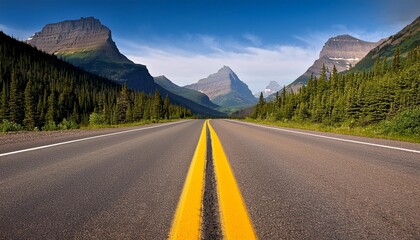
[[191, 57], [255, 65], [254, 39]]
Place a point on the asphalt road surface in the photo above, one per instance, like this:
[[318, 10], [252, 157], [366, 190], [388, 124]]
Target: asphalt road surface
[[119, 186], [304, 187], [294, 185]]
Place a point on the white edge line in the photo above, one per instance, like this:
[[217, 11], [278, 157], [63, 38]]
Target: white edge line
[[331, 138], [85, 139]]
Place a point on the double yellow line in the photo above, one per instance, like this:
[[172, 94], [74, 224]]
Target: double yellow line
[[234, 218]]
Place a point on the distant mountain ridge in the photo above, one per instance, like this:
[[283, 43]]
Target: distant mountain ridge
[[270, 89], [342, 51], [78, 36], [190, 94], [225, 89], [88, 44]]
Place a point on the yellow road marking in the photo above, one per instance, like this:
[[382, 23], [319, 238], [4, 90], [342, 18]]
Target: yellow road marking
[[235, 220], [187, 220]]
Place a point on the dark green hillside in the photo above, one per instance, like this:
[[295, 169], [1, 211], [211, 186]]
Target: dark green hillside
[[406, 40], [187, 93], [39, 90]]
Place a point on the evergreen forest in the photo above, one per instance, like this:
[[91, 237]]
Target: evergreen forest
[[388, 94], [39, 91]]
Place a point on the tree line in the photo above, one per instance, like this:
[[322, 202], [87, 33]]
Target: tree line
[[38, 90], [355, 98]]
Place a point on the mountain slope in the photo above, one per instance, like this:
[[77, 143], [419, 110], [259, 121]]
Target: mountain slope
[[271, 88], [40, 90], [225, 89], [88, 44], [342, 51], [406, 39], [187, 93]]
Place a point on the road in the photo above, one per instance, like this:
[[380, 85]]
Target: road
[[303, 187], [120, 186], [294, 184]]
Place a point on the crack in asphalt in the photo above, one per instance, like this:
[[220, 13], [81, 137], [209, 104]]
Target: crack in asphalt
[[211, 228]]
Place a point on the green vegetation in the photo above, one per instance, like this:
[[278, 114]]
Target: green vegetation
[[233, 100], [129, 124], [405, 41], [39, 91], [8, 126], [384, 101], [193, 95]]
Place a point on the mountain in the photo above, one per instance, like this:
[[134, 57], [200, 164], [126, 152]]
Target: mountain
[[39, 90], [406, 39], [187, 93], [88, 44], [343, 51], [271, 88], [225, 89]]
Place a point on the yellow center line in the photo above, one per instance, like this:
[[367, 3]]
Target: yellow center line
[[235, 220], [187, 220]]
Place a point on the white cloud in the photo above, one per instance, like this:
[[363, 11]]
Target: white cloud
[[192, 57], [253, 39], [256, 66]]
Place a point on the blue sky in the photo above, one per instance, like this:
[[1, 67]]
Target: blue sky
[[188, 40]]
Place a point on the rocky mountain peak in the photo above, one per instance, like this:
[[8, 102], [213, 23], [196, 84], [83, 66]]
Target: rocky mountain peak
[[273, 85], [342, 51], [71, 35], [271, 88], [224, 74], [346, 47], [222, 83], [225, 69], [161, 77]]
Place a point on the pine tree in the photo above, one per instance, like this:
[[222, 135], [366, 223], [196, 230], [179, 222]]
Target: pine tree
[[29, 120], [377, 67], [123, 102], [396, 65], [138, 108], [4, 108], [157, 106], [52, 109], [15, 102], [166, 105], [334, 78], [129, 114], [75, 116], [259, 109]]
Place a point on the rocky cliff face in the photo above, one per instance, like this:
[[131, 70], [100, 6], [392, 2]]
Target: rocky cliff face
[[224, 88], [77, 37], [88, 44], [343, 51], [271, 88]]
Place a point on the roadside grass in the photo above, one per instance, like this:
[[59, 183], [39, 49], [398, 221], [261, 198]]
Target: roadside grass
[[372, 131]]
